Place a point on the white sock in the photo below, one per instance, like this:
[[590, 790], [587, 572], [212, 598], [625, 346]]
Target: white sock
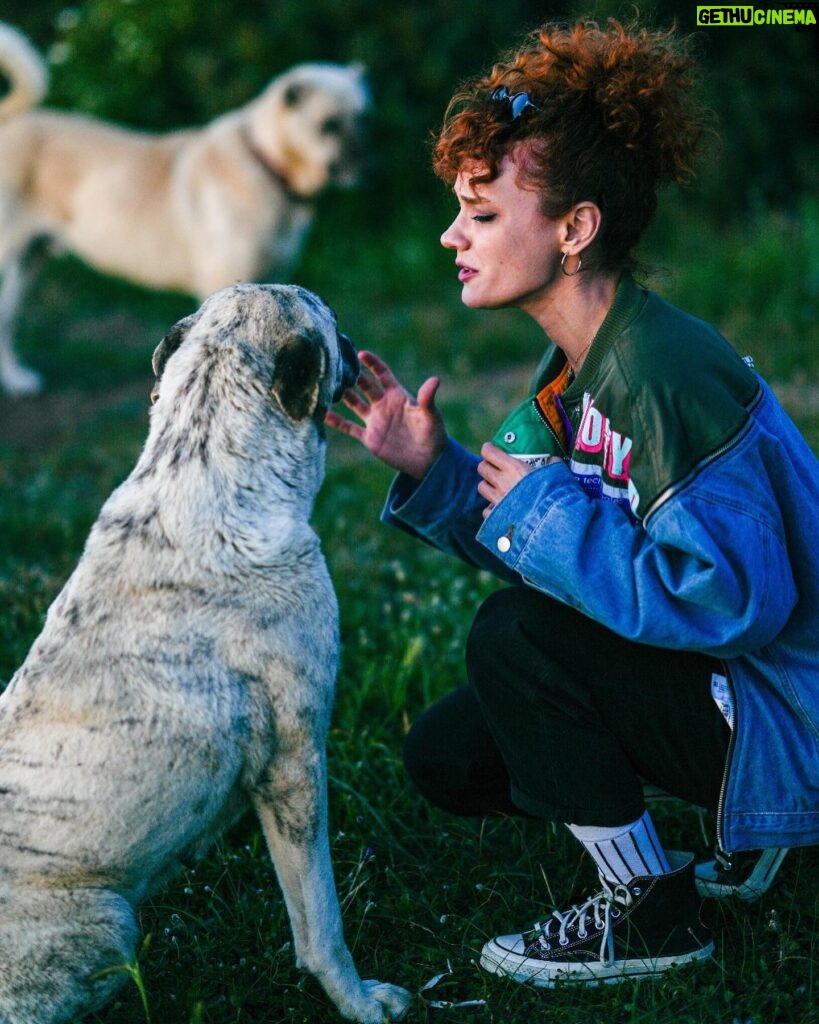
[[625, 851]]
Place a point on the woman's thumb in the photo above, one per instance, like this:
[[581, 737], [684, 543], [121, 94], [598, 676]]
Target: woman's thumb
[[427, 392]]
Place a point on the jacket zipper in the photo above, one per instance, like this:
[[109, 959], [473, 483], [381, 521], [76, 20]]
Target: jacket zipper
[[542, 417], [724, 783]]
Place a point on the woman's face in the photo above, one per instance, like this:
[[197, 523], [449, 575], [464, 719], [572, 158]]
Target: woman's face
[[508, 251]]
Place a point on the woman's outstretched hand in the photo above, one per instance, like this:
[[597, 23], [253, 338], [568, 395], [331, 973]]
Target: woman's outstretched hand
[[406, 432]]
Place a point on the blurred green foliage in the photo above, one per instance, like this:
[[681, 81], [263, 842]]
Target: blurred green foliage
[[740, 241], [159, 64]]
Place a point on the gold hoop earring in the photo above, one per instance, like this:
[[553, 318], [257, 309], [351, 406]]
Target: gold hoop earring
[[576, 269]]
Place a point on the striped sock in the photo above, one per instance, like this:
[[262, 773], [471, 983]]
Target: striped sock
[[625, 851]]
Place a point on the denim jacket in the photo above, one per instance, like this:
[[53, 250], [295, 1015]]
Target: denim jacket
[[702, 537]]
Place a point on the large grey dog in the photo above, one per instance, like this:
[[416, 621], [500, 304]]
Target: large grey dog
[[186, 670], [192, 211]]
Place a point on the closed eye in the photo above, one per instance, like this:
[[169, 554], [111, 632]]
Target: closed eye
[[484, 218]]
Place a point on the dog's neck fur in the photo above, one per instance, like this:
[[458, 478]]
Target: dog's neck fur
[[247, 487], [277, 176]]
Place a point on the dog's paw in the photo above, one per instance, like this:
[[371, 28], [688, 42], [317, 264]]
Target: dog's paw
[[393, 1001]]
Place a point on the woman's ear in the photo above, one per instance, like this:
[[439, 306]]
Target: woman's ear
[[582, 226]]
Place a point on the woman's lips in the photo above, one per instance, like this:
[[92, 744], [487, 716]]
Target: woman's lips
[[465, 273]]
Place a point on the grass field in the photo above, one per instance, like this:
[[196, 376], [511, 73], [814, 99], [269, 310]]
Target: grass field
[[420, 891]]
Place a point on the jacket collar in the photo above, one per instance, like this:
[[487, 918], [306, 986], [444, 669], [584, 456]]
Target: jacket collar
[[628, 301]]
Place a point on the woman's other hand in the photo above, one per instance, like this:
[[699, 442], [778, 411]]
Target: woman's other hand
[[499, 473]]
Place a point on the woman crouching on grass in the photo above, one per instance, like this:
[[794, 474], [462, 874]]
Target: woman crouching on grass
[[651, 505]]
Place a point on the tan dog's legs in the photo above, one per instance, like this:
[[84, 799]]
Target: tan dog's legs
[[21, 269], [295, 824]]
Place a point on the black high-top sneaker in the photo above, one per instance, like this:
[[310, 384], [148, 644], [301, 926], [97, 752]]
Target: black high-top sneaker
[[747, 875], [628, 931]]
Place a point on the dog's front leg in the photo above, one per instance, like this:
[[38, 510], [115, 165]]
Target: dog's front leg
[[291, 802]]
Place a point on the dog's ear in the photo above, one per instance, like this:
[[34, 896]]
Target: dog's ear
[[300, 366], [166, 348]]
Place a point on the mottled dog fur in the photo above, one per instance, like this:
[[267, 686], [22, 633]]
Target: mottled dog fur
[[186, 670], [193, 210]]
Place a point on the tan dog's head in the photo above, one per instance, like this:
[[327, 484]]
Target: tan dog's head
[[309, 126], [283, 337]]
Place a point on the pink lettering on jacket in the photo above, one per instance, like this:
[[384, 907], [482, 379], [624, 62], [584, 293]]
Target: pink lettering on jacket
[[596, 434]]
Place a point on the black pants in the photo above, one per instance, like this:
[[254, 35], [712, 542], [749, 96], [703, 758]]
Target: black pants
[[564, 720]]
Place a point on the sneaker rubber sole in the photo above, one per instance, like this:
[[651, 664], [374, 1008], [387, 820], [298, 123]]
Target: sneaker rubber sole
[[711, 881], [499, 959]]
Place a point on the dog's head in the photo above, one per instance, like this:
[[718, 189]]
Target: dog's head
[[282, 336], [309, 126]]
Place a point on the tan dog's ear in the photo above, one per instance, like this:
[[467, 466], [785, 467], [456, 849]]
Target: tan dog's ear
[[300, 366], [166, 348]]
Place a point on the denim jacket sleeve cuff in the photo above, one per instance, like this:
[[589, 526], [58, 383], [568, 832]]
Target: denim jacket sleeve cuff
[[449, 490], [507, 531], [444, 509]]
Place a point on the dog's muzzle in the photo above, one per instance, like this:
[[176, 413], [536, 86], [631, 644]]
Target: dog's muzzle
[[350, 366]]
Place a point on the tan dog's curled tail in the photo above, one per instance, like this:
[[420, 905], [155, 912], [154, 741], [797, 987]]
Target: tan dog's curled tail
[[26, 70]]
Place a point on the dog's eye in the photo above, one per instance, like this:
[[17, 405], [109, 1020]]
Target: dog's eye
[[332, 126]]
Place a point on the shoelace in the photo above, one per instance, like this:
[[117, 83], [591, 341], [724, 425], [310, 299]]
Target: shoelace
[[603, 907]]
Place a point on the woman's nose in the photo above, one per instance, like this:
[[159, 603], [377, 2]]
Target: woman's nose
[[453, 237]]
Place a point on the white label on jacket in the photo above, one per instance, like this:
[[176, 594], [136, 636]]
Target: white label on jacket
[[721, 692]]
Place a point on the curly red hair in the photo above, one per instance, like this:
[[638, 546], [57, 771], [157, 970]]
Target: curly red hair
[[618, 118]]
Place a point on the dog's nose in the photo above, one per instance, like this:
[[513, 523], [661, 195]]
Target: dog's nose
[[350, 365]]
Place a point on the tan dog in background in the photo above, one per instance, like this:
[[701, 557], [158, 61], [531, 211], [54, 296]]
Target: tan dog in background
[[185, 673], [191, 211]]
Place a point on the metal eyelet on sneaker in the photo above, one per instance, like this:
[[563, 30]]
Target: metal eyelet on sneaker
[[582, 935], [637, 891], [564, 942]]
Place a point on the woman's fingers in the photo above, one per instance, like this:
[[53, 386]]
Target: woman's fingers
[[369, 385], [355, 403], [489, 471], [495, 456], [487, 492], [499, 472], [346, 426], [378, 380], [378, 377], [379, 369]]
